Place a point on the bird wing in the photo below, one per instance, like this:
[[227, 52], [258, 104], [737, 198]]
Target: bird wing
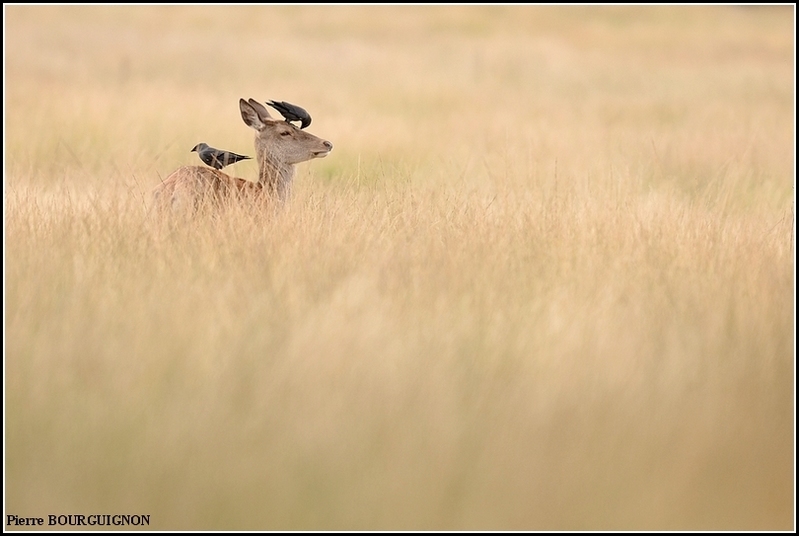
[[228, 158], [284, 110], [291, 112], [217, 159]]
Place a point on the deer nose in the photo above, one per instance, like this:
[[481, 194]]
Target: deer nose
[[328, 145]]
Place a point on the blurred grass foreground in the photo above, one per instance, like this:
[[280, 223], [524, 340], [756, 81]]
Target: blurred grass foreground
[[545, 280]]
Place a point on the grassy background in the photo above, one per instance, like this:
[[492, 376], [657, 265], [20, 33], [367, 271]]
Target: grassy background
[[545, 279]]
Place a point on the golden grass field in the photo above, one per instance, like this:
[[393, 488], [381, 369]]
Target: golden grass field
[[545, 279]]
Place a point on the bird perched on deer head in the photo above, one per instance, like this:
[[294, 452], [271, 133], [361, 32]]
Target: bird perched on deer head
[[215, 158], [291, 112]]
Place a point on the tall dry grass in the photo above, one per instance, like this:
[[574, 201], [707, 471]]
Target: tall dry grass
[[545, 279]]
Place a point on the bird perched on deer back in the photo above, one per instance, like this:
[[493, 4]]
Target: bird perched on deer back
[[291, 112], [215, 158]]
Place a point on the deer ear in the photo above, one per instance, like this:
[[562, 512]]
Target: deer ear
[[250, 115], [263, 113]]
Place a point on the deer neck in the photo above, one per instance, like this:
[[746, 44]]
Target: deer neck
[[274, 175]]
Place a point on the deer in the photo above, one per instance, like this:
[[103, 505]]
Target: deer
[[279, 146]]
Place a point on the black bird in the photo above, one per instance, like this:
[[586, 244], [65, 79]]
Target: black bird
[[215, 158], [291, 112]]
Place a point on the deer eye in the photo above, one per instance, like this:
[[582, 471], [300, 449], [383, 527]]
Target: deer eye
[[285, 133]]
